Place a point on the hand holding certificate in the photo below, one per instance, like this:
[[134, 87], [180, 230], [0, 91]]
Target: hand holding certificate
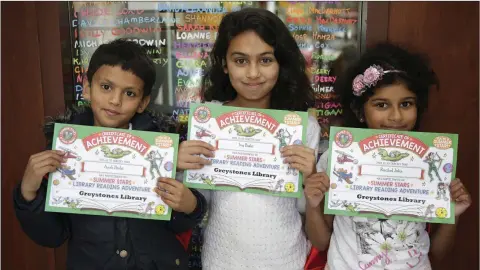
[[256, 150], [111, 172], [395, 175]]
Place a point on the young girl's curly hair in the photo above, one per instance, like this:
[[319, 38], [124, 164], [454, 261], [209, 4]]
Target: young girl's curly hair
[[414, 72]]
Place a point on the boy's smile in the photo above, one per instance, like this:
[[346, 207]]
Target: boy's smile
[[115, 96]]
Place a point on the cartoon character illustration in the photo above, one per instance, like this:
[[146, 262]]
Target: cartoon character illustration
[[278, 186], [289, 187], [114, 153], [57, 200], [207, 180], [352, 207], [442, 191], [69, 153], [343, 174], [247, 131], [394, 155], [149, 209], [432, 167], [282, 135], [203, 132], [67, 171], [154, 156], [429, 211], [193, 176], [441, 212], [71, 203], [344, 158], [291, 170]]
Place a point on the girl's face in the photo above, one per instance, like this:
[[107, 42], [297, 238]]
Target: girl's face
[[252, 68], [391, 107]]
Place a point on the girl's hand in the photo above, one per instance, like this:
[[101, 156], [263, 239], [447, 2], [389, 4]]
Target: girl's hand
[[315, 187], [460, 196], [301, 158], [189, 155], [176, 195]]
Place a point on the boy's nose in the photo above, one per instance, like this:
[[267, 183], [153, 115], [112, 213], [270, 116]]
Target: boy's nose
[[116, 99]]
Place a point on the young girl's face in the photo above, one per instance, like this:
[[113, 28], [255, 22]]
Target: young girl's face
[[251, 67], [391, 107]]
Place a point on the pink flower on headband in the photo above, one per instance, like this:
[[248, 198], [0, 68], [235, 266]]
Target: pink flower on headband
[[358, 85], [372, 75], [369, 78]]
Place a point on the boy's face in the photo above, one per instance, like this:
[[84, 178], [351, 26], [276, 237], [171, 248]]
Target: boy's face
[[115, 96]]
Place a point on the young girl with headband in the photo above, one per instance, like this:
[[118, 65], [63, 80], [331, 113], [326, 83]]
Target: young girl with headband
[[386, 89]]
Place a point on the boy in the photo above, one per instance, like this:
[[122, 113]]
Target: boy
[[120, 77]]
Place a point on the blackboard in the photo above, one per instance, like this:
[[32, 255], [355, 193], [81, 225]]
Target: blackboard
[[179, 35]]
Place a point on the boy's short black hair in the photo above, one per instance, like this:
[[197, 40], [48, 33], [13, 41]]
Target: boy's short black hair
[[127, 54]]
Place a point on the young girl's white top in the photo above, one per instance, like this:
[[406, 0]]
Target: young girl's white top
[[368, 243], [252, 231]]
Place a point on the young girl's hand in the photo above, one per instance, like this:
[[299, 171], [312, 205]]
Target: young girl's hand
[[301, 158], [176, 195], [188, 155], [315, 187], [461, 197]]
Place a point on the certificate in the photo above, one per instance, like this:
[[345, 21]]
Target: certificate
[[247, 143], [111, 172], [391, 174]]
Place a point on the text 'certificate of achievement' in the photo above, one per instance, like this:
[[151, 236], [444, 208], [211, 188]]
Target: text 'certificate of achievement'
[[247, 142], [391, 174], [111, 172]]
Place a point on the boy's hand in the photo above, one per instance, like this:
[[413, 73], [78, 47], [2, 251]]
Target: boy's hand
[[460, 196], [188, 155], [39, 165], [300, 157], [315, 187], [176, 195]]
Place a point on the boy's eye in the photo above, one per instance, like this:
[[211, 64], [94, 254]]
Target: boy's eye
[[105, 87], [130, 93]]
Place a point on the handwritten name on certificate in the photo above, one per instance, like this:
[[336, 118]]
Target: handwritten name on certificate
[[111, 172], [247, 142], [391, 174]]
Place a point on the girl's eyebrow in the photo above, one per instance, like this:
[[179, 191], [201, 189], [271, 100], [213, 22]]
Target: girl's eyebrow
[[378, 99], [386, 99], [244, 54]]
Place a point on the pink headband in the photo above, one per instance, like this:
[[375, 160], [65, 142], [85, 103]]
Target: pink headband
[[369, 78]]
